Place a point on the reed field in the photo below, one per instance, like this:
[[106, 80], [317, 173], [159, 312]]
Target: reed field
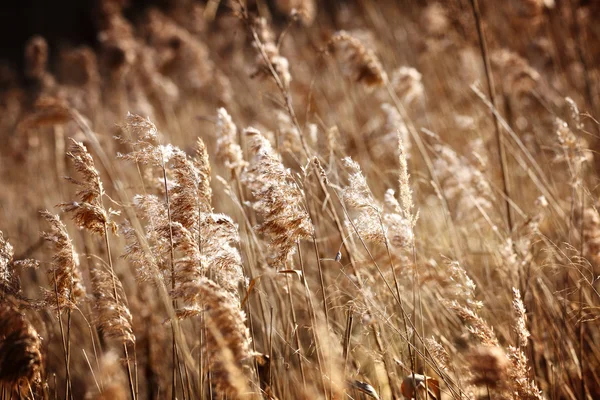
[[304, 199]]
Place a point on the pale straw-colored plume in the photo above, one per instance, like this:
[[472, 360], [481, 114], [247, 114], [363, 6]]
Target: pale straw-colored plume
[[269, 62], [227, 343], [9, 268], [463, 287], [406, 194], [111, 315], [288, 136], [64, 273], [279, 201], [9, 281], [398, 226], [152, 211], [476, 325], [358, 63], [190, 194], [88, 212], [229, 152], [362, 206], [574, 150], [520, 318], [590, 220], [438, 352], [519, 376], [116, 39], [143, 137], [214, 254], [373, 222], [219, 242], [435, 21]]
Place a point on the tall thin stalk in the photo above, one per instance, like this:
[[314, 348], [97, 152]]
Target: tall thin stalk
[[492, 92], [132, 386]]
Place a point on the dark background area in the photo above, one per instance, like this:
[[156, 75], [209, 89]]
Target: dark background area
[[70, 23], [60, 22]]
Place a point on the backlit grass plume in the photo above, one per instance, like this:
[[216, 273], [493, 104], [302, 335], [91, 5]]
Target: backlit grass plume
[[373, 222], [279, 201], [228, 340], [229, 152], [10, 283], [191, 192], [8, 280], [64, 272], [112, 316], [88, 212]]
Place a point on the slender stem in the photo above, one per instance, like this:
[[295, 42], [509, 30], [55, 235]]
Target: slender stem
[[492, 93], [313, 319], [116, 296], [296, 333], [69, 344]]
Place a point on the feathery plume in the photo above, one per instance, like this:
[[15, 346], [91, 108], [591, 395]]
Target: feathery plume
[[521, 318], [145, 142], [590, 220], [358, 196], [574, 150], [88, 212], [406, 201], [64, 271], [372, 222], [477, 325], [438, 352], [9, 281], [229, 151], [463, 287], [112, 316], [279, 200], [219, 243], [228, 340], [190, 193], [398, 226], [268, 55], [518, 76], [153, 212], [522, 386]]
